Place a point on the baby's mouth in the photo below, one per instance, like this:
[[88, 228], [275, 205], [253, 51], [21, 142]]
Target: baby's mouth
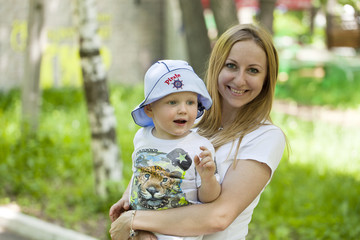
[[180, 121]]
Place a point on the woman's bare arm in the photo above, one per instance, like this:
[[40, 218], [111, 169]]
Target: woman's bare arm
[[240, 187]]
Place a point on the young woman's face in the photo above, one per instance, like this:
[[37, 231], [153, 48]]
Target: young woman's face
[[173, 115], [242, 77]]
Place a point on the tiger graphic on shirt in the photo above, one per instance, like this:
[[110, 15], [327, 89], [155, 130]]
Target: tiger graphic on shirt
[[157, 179]]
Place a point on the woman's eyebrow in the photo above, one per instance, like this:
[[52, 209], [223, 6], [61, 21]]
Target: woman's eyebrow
[[256, 65]]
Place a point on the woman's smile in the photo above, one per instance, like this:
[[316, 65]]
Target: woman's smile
[[238, 92]]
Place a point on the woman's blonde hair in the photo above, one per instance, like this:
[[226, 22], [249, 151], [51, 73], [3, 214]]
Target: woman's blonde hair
[[254, 113]]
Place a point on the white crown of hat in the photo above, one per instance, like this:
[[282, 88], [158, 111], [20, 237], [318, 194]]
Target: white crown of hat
[[170, 76]]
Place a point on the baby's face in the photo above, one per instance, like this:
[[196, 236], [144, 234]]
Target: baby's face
[[173, 115]]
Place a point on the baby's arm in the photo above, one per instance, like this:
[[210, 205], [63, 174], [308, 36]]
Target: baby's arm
[[210, 188]]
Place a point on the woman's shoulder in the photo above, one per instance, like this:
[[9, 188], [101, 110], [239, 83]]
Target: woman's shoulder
[[268, 129], [268, 137]]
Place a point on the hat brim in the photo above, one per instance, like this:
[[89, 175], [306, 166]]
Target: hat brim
[[140, 117]]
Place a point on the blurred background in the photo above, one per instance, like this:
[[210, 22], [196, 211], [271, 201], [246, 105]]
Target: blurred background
[[71, 71]]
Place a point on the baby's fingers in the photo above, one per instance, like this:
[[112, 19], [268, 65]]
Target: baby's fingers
[[197, 160], [205, 152]]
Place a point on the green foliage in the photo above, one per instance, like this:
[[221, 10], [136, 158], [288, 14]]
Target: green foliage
[[313, 195], [51, 173], [354, 3], [332, 81], [289, 23], [338, 88], [296, 25]]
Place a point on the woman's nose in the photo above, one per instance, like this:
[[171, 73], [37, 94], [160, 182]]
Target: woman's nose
[[240, 78]]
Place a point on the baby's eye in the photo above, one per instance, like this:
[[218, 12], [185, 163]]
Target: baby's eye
[[190, 102], [172, 102]]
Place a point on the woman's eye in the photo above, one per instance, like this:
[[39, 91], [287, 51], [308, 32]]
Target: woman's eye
[[230, 65], [253, 70]]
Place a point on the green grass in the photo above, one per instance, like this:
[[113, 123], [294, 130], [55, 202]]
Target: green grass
[[313, 195]]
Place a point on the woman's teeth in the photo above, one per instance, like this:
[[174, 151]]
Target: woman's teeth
[[237, 91]]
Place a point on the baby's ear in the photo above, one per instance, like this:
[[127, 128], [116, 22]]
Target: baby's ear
[[148, 110]]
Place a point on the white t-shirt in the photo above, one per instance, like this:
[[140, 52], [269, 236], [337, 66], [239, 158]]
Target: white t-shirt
[[266, 144], [164, 175]]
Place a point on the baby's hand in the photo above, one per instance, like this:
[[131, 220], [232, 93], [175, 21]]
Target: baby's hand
[[206, 166]]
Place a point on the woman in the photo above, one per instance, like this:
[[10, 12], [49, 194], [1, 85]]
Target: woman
[[241, 79]]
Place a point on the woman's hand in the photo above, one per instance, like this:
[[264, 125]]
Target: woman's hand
[[118, 208], [144, 235], [120, 229]]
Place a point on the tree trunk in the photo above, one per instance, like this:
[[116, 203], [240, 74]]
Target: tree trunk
[[266, 16], [313, 11], [30, 86], [225, 14], [330, 6], [100, 112], [198, 42]]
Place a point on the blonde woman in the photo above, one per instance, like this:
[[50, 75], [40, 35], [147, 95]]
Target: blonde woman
[[241, 78]]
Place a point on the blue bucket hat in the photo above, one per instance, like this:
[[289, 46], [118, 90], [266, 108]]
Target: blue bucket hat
[[170, 76]]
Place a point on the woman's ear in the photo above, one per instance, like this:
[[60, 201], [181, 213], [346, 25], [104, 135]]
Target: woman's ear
[[148, 110]]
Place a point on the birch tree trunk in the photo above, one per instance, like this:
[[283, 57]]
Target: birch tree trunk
[[100, 112], [30, 89]]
